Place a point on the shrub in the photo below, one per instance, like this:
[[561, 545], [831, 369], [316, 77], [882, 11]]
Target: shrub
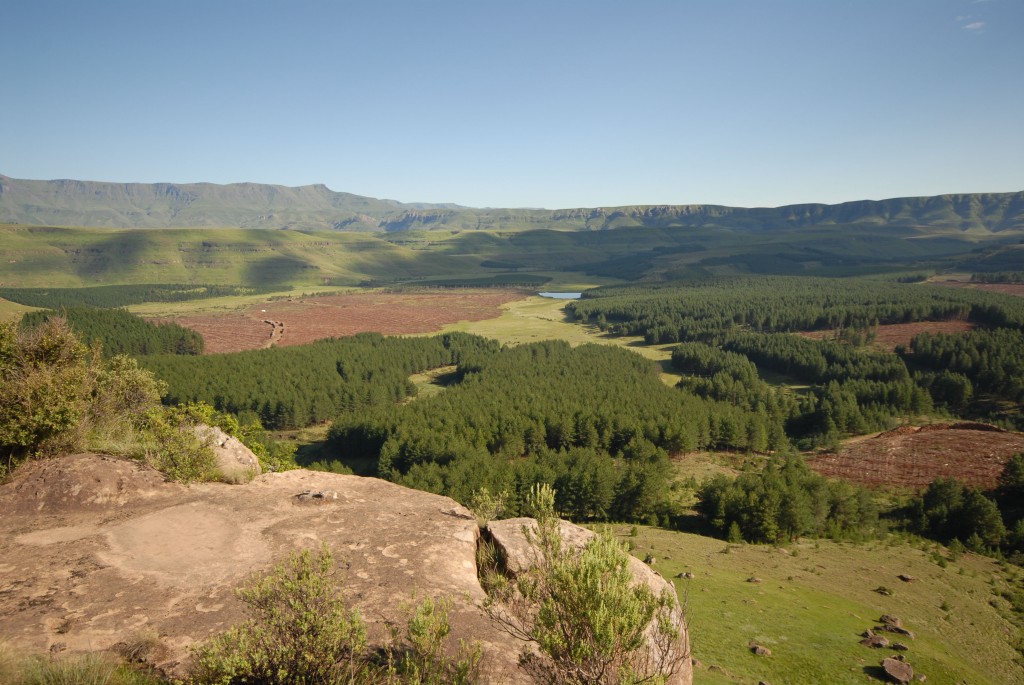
[[424, 661], [590, 621], [45, 382], [299, 632]]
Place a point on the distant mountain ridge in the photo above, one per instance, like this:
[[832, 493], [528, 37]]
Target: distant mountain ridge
[[316, 207]]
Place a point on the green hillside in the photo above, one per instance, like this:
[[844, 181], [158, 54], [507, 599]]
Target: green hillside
[[46, 256], [815, 599]]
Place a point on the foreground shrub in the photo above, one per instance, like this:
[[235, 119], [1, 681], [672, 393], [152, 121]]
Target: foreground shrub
[[591, 622], [301, 632]]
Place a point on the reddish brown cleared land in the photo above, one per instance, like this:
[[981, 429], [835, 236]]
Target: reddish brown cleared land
[[1016, 289], [301, 321], [913, 457], [891, 335]]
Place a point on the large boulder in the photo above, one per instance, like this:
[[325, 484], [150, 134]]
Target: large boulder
[[98, 553], [518, 555], [235, 461]]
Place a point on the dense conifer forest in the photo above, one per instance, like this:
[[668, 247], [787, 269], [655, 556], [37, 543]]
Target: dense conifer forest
[[120, 332]]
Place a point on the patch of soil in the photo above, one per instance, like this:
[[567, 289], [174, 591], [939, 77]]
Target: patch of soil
[[1015, 289], [889, 336], [913, 457], [305, 320]]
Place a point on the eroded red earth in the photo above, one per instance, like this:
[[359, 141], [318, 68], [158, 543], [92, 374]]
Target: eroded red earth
[[913, 457], [303, 320]]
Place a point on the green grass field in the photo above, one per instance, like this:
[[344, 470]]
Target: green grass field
[[815, 599], [12, 311]]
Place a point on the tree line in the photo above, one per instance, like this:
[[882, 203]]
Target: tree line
[[117, 331]]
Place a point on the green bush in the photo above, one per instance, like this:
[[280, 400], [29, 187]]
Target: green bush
[[582, 609], [300, 631]]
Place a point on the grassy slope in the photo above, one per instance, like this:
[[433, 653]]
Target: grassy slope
[[815, 600], [12, 311], [71, 257]]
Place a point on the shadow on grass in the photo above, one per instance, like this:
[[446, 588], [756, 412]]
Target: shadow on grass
[[877, 673]]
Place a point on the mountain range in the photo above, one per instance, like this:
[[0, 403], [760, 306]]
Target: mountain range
[[316, 207]]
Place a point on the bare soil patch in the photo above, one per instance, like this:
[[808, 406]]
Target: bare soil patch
[[1015, 289], [889, 336], [911, 456], [304, 320]]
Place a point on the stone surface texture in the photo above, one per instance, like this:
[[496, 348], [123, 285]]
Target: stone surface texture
[[97, 550]]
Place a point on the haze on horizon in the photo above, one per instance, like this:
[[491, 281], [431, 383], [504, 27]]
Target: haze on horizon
[[533, 104]]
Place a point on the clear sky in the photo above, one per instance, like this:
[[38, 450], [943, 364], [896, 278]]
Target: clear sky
[[523, 103]]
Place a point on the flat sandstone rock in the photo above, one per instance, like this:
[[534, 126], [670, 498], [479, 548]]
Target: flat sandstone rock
[[97, 551]]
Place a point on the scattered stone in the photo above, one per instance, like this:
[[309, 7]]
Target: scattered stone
[[922, 678], [883, 590], [649, 560], [753, 579], [695, 662], [763, 682], [58, 647], [891, 621], [687, 575], [898, 670], [315, 496], [899, 647], [906, 578], [875, 642], [760, 650]]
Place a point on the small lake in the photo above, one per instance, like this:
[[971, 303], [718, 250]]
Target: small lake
[[561, 296]]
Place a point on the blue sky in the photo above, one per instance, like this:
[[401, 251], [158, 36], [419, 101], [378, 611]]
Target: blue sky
[[523, 103]]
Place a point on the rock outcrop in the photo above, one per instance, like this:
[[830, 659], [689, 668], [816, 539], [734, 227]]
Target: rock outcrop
[[101, 553], [98, 551], [235, 461]]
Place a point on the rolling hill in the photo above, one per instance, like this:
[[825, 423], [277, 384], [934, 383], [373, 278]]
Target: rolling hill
[[316, 207]]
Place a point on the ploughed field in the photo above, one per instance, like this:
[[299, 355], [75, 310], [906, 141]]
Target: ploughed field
[[913, 457], [891, 335], [300, 321]]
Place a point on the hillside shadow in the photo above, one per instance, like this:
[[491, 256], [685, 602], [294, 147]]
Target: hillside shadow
[[275, 270], [113, 255]]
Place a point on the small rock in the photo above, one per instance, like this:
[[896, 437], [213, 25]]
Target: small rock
[[763, 682], [695, 662], [58, 647], [898, 670], [868, 633], [760, 650], [875, 642], [891, 621], [649, 560], [753, 579], [906, 578], [899, 647], [922, 678]]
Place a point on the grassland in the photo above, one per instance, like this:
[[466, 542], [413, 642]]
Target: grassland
[[815, 599], [12, 311]]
